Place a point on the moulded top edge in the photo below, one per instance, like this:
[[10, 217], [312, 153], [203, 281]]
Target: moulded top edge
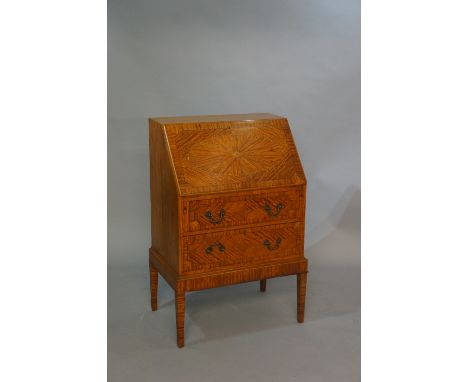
[[257, 189], [215, 118]]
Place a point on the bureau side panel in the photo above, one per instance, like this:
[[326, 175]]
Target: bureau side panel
[[164, 198], [303, 201]]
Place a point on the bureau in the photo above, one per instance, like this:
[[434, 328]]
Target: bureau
[[228, 196]]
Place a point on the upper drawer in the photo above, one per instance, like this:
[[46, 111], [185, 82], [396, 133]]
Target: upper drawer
[[268, 207]]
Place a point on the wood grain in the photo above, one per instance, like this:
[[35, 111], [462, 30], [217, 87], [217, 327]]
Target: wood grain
[[154, 287], [242, 275], [266, 208], [194, 119], [220, 156], [213, 250], [301, 293], [164, 198], [228, 275], [227, 205], [180, 316]]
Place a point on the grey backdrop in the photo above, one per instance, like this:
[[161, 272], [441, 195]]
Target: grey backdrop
[[299, 59]]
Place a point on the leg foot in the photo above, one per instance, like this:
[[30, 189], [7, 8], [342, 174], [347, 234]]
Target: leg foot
[[154, 288], [301, 293], [180, 317], [263, 285]]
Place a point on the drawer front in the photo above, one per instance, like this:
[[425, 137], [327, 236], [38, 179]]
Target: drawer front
[[211, 250], [242, 210]]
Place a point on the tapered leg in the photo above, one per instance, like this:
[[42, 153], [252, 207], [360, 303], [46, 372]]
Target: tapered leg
[[263, 285], [180, 316], [154, 288], [301, 293]]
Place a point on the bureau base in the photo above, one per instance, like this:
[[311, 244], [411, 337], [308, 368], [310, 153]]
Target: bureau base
[[212, 279]]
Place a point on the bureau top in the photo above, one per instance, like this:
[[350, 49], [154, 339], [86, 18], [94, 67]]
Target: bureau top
[[214, 118], [219, 153]]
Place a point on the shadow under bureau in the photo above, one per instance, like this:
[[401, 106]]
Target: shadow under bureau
[[228, 197]]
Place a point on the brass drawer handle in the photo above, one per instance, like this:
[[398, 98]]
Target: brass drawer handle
[[270, 247], [209, 216], [209, 249], [269, 211]]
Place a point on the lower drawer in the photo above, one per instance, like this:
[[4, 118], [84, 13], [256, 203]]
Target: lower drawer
[[233, 247]]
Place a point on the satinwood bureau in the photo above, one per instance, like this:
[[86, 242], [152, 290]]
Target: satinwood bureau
[[228, 196]]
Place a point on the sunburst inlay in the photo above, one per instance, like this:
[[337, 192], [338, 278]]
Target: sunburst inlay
[[236, 155]]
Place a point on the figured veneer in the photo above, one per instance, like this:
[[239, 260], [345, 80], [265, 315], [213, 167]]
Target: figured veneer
[[154, 288], [268, 208], [213, 250], [227, 205]]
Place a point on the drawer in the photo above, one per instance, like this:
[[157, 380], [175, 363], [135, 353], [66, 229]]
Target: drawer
[[242, 210], [217, 249]]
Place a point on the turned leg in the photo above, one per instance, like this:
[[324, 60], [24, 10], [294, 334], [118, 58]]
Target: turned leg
[[180, 316], [154, 288], [263, 285], [301, 293]]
